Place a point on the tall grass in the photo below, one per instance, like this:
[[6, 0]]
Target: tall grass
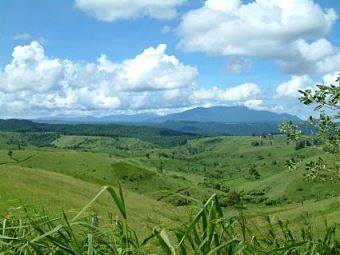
[[208, 232]]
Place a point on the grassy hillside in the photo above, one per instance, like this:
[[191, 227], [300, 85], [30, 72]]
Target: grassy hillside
[[52, 173], [200, 164], [55, 193]]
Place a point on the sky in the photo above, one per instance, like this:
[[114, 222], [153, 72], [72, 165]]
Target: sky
[[107, 57]]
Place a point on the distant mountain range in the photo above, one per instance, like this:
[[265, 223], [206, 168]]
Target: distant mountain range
[[221, 120], [121, 118], [198, 121], [220, 114]]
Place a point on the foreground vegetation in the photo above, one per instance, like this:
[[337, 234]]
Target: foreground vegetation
[[208, 232]]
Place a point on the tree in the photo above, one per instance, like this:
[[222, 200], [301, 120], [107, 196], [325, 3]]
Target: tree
[[326, 97], [291, 130], [300, 145], [326, 100], [254, 173], [233, 198]]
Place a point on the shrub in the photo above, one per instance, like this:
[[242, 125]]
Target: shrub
[[254, 173], [259, 157]]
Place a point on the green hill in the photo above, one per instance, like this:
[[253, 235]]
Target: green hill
[[163, 185], [198, 168]]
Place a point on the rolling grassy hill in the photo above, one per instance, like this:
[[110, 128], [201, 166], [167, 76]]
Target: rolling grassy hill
[[198, 168], [55, 193]]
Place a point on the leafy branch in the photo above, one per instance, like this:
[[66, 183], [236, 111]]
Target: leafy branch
[[326, 98]]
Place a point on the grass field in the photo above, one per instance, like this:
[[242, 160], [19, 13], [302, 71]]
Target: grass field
[[64, 173]]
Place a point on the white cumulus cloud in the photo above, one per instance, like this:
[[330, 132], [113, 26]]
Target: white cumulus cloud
[[319, 57], [242, 92], [264, 28], [36, 83], [31, 70], [154, 70], [111, 10], [256, 104], [290, 88]]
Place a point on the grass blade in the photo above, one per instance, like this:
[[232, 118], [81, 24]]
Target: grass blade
[[119, 202]]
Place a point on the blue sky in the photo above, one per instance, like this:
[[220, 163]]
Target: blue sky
[[103, 57]]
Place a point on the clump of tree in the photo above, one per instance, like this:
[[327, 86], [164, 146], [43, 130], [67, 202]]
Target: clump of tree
[[303, 143], [254, 173], [215, 184], [326, 99], [233, 198], [43, 139], [16, 142], [255, 196]]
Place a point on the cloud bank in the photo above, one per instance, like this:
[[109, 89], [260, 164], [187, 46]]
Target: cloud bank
[[276, 30], [36, 83]]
